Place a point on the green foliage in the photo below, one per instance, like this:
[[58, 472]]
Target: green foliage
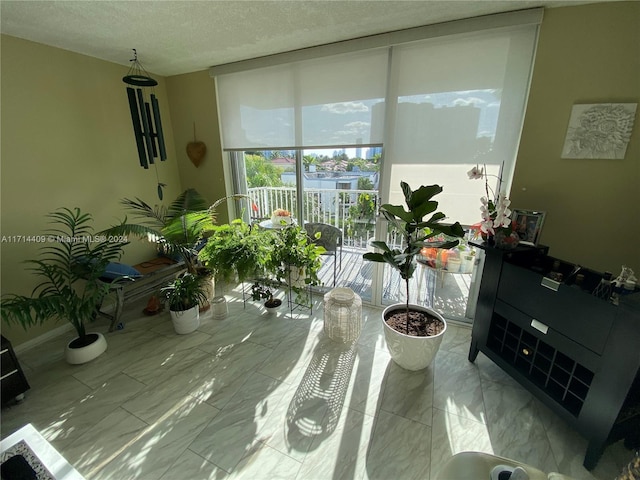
[[262, 173], [292, 247], [185, 292], [415, 230], [177, 229], [70, 267], [361, 218], [365, 183], [236, 251]]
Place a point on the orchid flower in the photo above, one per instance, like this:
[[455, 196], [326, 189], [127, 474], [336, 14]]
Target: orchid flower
[[476, 173]]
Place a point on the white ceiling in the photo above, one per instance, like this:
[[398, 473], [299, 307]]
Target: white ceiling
[[174, 37]]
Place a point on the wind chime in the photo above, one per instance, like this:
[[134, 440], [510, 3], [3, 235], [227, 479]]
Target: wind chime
[[145, 115]]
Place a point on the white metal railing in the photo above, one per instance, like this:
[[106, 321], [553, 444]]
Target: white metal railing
[[330, 206]]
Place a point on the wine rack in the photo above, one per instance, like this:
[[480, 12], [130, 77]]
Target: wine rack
[[561, 377]]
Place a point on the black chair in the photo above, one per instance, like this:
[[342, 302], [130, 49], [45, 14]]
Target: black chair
[[331, 239]]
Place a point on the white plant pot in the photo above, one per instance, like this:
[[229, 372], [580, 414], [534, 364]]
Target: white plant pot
[[412, 353], [296, 276], [278, 221], [77, 356], [186, 321]]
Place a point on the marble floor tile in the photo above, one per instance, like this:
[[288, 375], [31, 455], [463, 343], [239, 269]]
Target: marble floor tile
[[451, 434], [228, 375], [108, 438], [156, 448], [409, 394], [400, 448], [262, 397], [367, 379], [515, 427], [457, 386], [341, 455], [263, 462], [192, 466], [234, 432]]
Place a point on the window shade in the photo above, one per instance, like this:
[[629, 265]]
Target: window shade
[[322, 102], [457, 101]]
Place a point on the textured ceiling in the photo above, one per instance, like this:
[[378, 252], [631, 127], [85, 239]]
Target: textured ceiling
[[174, 37]]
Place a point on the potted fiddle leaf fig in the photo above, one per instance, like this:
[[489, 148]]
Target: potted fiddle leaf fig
[[70, 267], [413, 333]]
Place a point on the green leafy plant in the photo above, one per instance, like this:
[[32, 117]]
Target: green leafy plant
[[415, 230], [291, 247], [185, 292], [71, 264], [236, 251], [176, 229]]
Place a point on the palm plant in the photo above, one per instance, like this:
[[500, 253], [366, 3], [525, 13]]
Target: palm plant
[[177, 228], [415, 231], [70, 266]]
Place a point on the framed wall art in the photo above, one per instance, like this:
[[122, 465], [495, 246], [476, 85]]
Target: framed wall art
[[528, 225], [600, 130]]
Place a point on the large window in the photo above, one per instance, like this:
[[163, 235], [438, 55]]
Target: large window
[[432, 102]]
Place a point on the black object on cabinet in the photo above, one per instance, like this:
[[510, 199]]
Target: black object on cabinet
[[14, 383], [579, 354]]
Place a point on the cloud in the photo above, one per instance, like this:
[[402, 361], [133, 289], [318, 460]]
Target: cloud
[[345, 107], [469, 101]]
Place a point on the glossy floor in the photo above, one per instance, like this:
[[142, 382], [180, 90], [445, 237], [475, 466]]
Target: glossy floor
[[255, 396]]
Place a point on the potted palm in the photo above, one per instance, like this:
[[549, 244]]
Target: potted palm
[[70, 266], [184, 296], [413, 333]]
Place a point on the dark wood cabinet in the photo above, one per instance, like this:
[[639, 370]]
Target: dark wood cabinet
[[14, 383], [577, 353]]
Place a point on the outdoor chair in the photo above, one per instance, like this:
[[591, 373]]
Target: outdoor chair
[[331, 239]]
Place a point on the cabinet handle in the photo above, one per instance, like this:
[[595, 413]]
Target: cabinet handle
[[4, 351], [8, 374], [550, 284], [541, 327]]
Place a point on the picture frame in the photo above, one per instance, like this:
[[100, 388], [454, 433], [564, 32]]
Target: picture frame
[[528, 225]]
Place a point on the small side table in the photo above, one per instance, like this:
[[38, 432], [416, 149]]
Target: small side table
[[342, 315]]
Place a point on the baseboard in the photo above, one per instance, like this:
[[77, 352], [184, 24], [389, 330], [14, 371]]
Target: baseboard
[[56, 332], [34, 342]]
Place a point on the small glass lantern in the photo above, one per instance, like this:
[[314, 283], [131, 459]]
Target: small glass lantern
[[342, 315]]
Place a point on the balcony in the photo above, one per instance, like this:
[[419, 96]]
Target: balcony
[[446, 292]]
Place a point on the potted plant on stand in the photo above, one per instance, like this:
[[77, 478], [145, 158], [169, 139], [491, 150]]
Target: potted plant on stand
[[184, 296], [235, 252], [71, 265], [294, 259], [413, 333]]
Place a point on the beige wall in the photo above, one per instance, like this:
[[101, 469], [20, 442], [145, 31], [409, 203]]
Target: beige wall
[[67, 141], [192, 100], [586, 54]]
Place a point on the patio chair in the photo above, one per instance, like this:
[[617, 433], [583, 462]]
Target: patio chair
[[330, 239]]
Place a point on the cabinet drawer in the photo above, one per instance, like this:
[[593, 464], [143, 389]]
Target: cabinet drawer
[[7, 365], [574, 313]]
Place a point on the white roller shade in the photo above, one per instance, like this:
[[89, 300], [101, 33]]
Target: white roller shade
[[314, 103]]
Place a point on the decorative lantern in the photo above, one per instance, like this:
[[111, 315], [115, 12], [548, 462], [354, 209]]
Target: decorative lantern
[[342, 315]]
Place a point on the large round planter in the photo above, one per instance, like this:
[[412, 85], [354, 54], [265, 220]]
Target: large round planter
[[412, 353], [79, 355], [186, 321]]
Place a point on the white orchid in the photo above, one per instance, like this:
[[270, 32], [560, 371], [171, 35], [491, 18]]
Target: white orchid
[[476, 173]]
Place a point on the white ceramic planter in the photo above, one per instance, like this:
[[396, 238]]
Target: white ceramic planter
[[412, 353], [296, 276], [186, 321], [77, 356]]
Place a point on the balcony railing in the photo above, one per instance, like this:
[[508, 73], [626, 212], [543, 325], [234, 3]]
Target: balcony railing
[[332, 206]]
